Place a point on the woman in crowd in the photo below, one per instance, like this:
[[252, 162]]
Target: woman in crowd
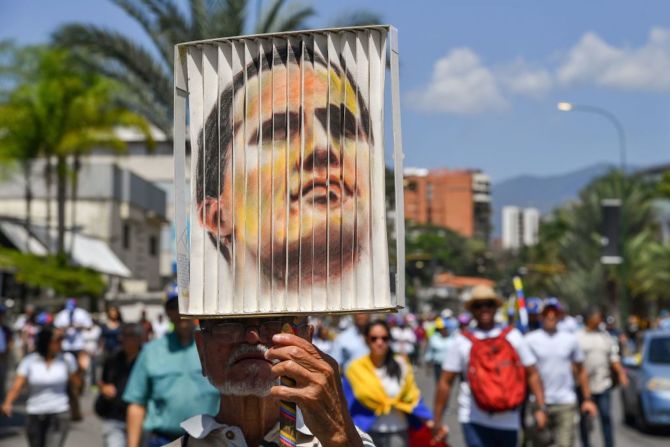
[[382, 395], [47, 372], [109, 404], [111, 331]]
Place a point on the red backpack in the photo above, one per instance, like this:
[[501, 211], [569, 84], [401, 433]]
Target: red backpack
[[496, 375]]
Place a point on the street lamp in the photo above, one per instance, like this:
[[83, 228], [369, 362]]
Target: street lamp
[[565, 106], [570, 107]]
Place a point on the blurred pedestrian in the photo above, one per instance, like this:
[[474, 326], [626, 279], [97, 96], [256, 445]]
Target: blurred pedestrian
[[533, 307], [383, 397], [437, 347], [350, 343], [93, 353], [47, 372], [166, 385], [147, 326], [117, 367], [603, 367], [27, 328], [111, 331], [74, 320], [322, 338], [558, 356], [6, 345], [498, 367], [161, 325], [403, 338]]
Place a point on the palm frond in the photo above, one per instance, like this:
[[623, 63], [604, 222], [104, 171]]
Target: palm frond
[[356, 18]]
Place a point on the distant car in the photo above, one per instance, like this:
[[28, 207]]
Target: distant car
[[646, 400]]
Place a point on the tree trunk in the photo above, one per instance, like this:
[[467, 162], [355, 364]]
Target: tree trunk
[[73, 198], [48, 177], [61, 196], [27, 168]]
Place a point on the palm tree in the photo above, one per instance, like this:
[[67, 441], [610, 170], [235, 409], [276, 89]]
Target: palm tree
[[586, 278], [20, 140], [63, 113], [147, 73]]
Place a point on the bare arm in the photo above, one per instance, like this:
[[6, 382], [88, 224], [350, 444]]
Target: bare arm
[[13, 393], [134, 420], [621, 373], [535, 385], [583, 380], [441, 399]]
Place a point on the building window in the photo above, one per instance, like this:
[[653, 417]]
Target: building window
[[126, 235], [153, 245]]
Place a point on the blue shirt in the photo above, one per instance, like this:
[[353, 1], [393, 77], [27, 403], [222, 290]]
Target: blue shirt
[[167, 380], [349, 345]]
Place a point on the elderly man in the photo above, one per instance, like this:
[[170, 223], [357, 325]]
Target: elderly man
[[243, 358]]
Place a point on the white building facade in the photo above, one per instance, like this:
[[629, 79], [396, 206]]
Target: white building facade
[[520, 227]]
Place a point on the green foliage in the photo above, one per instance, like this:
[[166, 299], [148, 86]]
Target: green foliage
[[663, 187], [148, 80], [49, 273]]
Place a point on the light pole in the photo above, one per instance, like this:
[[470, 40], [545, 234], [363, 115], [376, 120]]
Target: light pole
[[570, 107]]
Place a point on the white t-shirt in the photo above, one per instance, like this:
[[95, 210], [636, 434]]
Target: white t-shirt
[[396, 420], [555, 355], [600, 351], [457, 359], [47, 385], [403, 340], [74, 337]]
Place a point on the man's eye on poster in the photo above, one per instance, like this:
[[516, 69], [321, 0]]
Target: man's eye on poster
[[287, 209]]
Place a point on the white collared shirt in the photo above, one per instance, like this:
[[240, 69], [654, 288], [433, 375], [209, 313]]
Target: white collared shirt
[[204, 431]]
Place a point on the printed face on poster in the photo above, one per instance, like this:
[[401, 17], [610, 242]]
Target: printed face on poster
[[287, 174]]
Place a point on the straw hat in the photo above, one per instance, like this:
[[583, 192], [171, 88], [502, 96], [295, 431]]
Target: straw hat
[[482, 293]]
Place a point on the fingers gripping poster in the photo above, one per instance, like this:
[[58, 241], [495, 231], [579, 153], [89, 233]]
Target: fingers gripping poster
[[286, 204]]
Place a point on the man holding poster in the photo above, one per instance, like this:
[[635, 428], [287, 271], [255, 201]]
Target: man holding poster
[[288, 220]]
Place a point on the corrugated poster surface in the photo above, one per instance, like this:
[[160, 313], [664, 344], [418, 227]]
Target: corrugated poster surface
[[287, 195]]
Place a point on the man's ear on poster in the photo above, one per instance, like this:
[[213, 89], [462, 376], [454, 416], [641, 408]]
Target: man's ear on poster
[[213, 217]]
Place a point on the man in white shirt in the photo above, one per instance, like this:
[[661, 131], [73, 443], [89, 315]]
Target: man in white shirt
[[558, 354], [482, 428]]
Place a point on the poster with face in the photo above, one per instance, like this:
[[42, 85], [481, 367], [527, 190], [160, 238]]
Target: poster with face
[[287, 206]]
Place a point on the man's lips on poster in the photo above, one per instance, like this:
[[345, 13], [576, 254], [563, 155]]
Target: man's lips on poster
[[323, 191]]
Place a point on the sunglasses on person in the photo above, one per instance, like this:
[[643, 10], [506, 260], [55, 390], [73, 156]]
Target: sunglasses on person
[[235, 332], [484, 304], [384, 338]]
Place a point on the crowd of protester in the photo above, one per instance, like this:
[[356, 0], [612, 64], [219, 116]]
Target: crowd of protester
[[146, 378]]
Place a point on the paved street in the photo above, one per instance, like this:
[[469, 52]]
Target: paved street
[[88, 432]]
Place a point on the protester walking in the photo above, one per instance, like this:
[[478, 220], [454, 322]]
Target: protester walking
[[558, 356], [6, 345], [350, 343], [166, 385], [404, 338], [497, 366], [117, 367], [47, 373], [437, 347], [603, 367], [382, 395], [110, 337], [74, 321]]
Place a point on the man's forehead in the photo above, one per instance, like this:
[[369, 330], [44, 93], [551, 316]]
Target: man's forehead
[[317, 85]]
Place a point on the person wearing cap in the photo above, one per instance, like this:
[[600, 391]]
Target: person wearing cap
[[558, 355], [437, 347], [483, 428], [166, 385], [533, 307]]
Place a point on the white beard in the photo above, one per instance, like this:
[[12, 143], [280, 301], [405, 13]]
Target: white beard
[[252, 384]]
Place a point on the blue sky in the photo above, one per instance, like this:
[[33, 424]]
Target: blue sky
[[480, 79]]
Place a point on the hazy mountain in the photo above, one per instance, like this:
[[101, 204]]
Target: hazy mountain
[[542, 192]]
